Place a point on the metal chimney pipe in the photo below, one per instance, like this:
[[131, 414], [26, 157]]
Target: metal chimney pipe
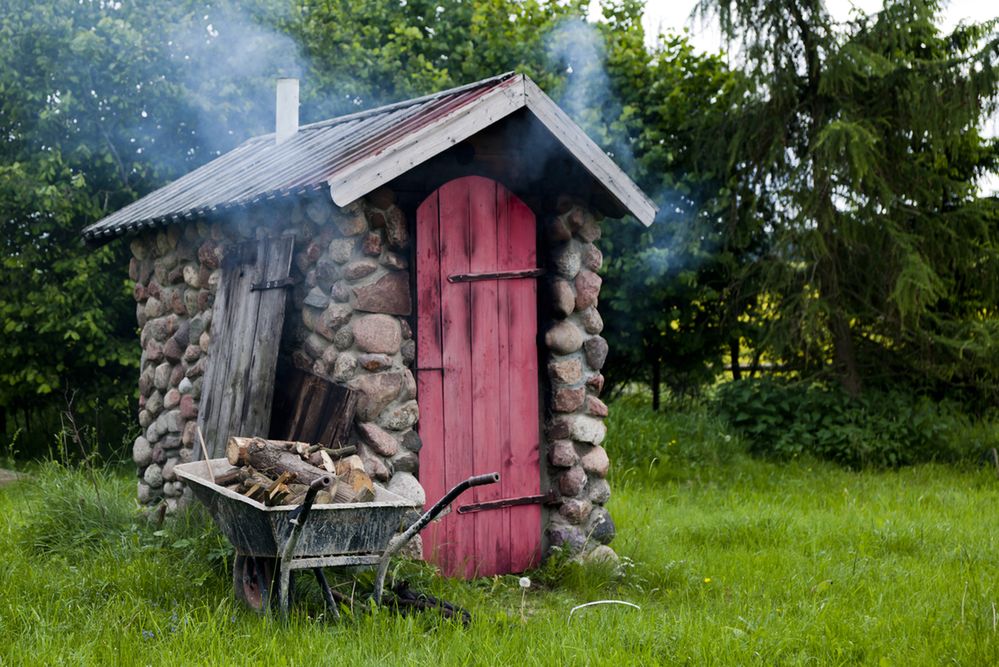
[[286, 124]]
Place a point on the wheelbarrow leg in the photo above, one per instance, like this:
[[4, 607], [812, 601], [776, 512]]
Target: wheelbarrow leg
[[297, 518], [327, 593], [399, 541]]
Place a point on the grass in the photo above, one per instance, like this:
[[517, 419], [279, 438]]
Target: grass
[[732, 560]]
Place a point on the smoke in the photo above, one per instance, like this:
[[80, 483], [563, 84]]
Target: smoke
[[576, 48]]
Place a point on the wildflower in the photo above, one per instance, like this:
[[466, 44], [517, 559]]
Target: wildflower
[[707, 580], [525, 582]]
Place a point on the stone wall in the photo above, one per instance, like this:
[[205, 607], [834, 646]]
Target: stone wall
[[577, 463], [347, 320]]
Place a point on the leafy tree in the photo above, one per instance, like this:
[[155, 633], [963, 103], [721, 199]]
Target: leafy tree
[[861, 142]]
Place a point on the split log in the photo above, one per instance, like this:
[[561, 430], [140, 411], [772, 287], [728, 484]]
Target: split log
[[270, 459]]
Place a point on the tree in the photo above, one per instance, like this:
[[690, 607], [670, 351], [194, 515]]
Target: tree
[[861, 140]]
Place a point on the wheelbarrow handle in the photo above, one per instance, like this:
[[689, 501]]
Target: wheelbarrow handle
[[399, 541], [301, 513]]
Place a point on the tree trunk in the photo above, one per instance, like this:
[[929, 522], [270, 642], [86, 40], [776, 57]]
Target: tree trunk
[[844, 356], [656, 381], [734, 354]]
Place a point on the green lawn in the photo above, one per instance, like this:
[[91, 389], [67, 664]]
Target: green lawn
[[733, 561]]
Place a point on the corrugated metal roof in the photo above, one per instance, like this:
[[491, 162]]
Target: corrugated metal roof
[[351, 154]]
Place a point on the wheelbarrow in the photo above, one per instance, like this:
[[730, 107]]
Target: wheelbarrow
[[272, 542]]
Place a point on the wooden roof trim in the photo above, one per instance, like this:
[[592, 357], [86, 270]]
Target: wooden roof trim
[[593, 159], [362, 177]]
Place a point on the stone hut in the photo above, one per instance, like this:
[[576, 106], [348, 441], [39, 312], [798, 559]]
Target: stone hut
[[437, 256]]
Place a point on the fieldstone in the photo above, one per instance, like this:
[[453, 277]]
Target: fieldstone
[[316, 298], [192, 276], [567, 261], [587, 429], [566, 371], [143, 493], [568, 399], [593, 259], [142, 452], [161, 377], [153, 289], [378, 333], [153, 476], [600, 527], [204, 340], [575, 510], [159, 329], [170, 489], [377, 391], [562, 454], [556, 229], [140, 315], [566, 536], [596, 384], [577, 216], [177, 374], [563, 298], [598, 491], [330, 355], [373, 464], [315, 345], [177, 303], [596, 407], [596, 462], [154, 403], [188, 407], [168, 473], [192, 354], [159, 455], [408, 352], [171, 399], [187, 438], [587, 289], [173, 351], [197, 370], [389, 294], [174, 424], [408, 385], [340, 292], [138, 248], [214, 280], [154, 308], [395, 227], [145, 419], [205, 300], [571, 482], [589, 231], [559, 428], [394, 261], [318, 211], [406, 461], [596, 352], [360, 268], [326, 274], [591, 320], [602, 554], [154, 351], [345, 368], [191, 300], [405, 485], [343, 338], [378, 439], [374, 362], [401, 417], [146, 379], [335, 316], [412, 441], [321, 368], [209, 255], [564, 338], [350, 219], [372, 245], [341, 250], [139, 292]]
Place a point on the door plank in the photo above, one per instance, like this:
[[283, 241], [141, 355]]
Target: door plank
[[430, 383], [524, 467], [456, 330], [238, 389]]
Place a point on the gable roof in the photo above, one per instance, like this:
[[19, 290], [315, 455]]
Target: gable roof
[[355, 154]]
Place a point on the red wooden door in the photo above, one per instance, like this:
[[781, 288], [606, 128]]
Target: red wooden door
[[477, 374]]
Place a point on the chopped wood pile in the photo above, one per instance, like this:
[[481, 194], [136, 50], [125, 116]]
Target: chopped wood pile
[[278, 472]]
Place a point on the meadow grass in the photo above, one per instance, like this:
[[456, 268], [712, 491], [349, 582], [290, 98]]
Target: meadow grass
[[732, 560]]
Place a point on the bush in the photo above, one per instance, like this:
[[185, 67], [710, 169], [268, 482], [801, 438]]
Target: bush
[[881, 429]]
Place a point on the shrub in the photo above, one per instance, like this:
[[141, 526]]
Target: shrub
[[880, 429]]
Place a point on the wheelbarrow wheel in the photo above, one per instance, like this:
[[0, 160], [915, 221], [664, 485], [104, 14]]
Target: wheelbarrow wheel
[[253, 580]]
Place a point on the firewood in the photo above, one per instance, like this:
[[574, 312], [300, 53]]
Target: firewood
[[327, 462], [234, 476], [349, 463], [354, 487], [272, 459]]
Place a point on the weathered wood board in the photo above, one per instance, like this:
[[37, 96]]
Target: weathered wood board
[[477, 373], [246, 333], [312, 409]]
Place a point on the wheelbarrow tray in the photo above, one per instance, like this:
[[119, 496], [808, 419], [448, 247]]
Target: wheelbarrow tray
[[333, 529]]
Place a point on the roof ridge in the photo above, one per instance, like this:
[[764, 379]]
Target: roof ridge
[[385, 108]]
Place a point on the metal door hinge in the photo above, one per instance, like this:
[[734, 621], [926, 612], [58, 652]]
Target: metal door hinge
[[273, 284]]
